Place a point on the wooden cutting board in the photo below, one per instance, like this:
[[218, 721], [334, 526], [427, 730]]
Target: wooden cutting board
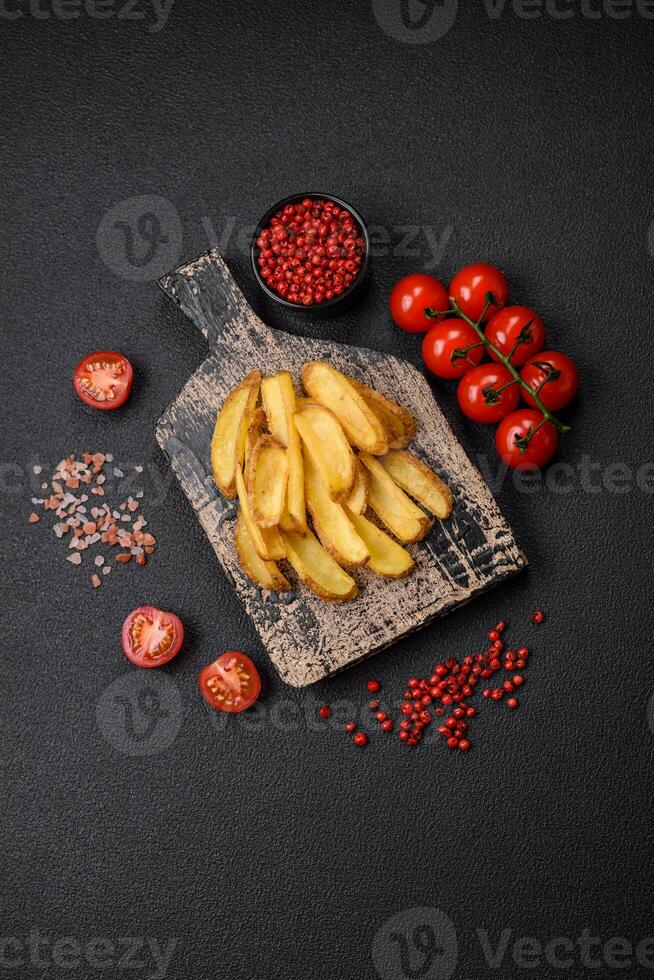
[[308, 639]]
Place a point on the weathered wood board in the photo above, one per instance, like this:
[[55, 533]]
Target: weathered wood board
[[308, 639]]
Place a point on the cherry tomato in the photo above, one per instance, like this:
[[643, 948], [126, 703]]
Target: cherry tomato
[[541, 447], [470, 285], [443, 340], [480, 406], [151, 637], [504, 329], [103, 379], [554, 376], [411, 296], [231, 683]]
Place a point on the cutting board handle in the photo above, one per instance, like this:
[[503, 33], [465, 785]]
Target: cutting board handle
[[206, 291]]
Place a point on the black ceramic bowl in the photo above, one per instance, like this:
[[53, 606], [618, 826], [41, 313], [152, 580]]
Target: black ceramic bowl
[[337, 304]]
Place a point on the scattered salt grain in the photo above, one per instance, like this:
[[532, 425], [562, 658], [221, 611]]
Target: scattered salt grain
[[99, 561], [118, 472], [36, 470], [97, 581], [139, 469], [75, 559]]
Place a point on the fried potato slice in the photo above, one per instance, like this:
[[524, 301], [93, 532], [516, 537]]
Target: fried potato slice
[[399, 424], [419, 481], [358, 498], [267, 541], [279, 401], [387, 557], [336, 533], [267, 473], [324, 441], [392, 506], [263, 573], [258, 427], [335, 391], [317, 568], [230, 432]]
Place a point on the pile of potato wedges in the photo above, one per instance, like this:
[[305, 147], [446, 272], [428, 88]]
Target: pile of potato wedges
[[328, 460]]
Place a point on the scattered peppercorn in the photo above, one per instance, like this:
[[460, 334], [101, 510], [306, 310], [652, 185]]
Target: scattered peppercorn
[[373, 686], [325, 711], [360, 739]]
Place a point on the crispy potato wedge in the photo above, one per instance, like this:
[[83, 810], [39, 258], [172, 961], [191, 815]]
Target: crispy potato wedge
[[387, 557], [285, 522], [279, 401], [267, 473], [267, 541], [317, 568], [230, 432], [400, 425], [358, 498], [392, 506], [263, 573], [324, 441], [332, 389], [336, 533], [419, 481], [258, 427]]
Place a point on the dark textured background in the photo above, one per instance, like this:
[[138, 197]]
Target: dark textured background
[[280, 854]]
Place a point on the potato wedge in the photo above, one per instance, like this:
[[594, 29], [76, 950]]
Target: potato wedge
[[324, 441], [263, 573], [336, 533], [400, 425], [267, 541], [419, 481], [317, 568], [330, 388], [278, 396], [258, 427], [267, 473], [358, 498], [229, 434], [392, 506], [387, 557]]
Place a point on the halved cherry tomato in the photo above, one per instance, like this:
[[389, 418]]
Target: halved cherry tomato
[[443, 340], [478, 393], [504, 330], [103, 379], [411, 296], [151, 637], [231, 683], [554, 376], [470, 285], [541, 446]]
